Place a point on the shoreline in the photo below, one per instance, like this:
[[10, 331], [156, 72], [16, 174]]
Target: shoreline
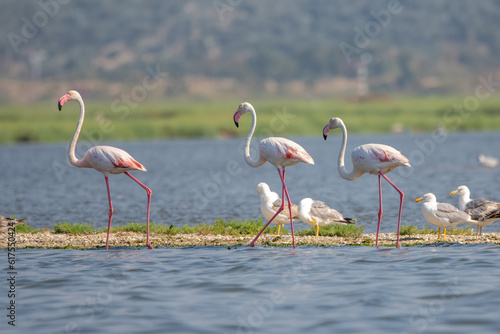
[[48, 240]]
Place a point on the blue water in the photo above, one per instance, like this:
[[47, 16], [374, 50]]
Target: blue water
[[196, 181], [434, 289]]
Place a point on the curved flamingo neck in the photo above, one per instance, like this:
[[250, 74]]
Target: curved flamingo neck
[[72, 146], [248, 158], [348, 175]]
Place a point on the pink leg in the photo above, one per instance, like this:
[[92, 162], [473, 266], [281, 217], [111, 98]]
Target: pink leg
[[285, 191], [401, 196], [380, 211], [149, 192], [252, 244], [110, 214]]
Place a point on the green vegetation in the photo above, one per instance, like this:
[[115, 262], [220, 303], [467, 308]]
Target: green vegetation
[[214, 119], [28, 228], [252, 41], [219, 226], [346, 231], [456, 230]]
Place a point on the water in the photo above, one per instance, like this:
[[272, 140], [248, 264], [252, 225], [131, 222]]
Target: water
[[196, 181], [431, 289], [261, 290]]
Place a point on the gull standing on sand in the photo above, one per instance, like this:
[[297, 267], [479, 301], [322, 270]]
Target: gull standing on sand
[[270, 202], [6, 223], [280, 152], [318, 214], [480, 209], [442, 214], [374, 159]]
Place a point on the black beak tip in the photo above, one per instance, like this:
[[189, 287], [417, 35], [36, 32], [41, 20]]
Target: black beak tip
[[324, 136], [59, 106], [236, 123]]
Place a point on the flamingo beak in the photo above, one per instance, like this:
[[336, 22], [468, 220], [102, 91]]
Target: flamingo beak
[[418, 200], [454, 192], [62, 101], [326, 130], [236, 117]]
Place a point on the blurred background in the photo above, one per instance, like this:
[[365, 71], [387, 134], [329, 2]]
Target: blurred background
[[234, 49], [403, 73]]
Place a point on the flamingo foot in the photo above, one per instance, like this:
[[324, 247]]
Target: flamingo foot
[[149, 245], [398, 245]]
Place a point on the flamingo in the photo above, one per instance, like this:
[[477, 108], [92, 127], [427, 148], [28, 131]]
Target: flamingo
[[104, 159], [442, 214], [270, 202], [375, 159], [317, 213], [6, 223], [480, 209], [280, 152]]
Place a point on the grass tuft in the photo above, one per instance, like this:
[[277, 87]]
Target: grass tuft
[[413, 229], [337, 230], [76, 229]]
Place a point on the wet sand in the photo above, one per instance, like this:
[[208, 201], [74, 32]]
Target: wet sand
[[131, 239]]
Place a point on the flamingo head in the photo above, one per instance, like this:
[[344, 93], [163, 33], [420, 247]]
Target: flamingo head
[[429, 197], [461, 191], [263, 188], [69, 96], [243, 108], [332, 124]]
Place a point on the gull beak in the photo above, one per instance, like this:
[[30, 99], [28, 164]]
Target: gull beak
[[454, 192], [418, 200]]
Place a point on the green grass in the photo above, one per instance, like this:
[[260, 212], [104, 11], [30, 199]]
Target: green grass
[[346, 231], [413, 229], [76, 229], [219, 226], [28, 228], [169, 119]]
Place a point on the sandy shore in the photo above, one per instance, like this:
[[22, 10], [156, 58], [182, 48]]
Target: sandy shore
[[130, 239]]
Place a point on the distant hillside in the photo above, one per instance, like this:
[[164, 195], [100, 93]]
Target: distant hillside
[[278, 47]]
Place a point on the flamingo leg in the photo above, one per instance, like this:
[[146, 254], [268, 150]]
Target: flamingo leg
[[380, 211], [281, 208], [401, 197], [149, 192], [110, 214], [285, 191]]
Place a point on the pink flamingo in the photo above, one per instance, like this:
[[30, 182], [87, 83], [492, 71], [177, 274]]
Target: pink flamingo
[[104, 159], [280, 152], [375, 159]]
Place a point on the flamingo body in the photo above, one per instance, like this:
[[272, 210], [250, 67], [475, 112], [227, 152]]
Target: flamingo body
[[110, 160], [372, 158], [280, 152]]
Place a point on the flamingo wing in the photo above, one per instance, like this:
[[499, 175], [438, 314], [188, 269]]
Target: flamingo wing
[[108, 159], [283, 152]]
